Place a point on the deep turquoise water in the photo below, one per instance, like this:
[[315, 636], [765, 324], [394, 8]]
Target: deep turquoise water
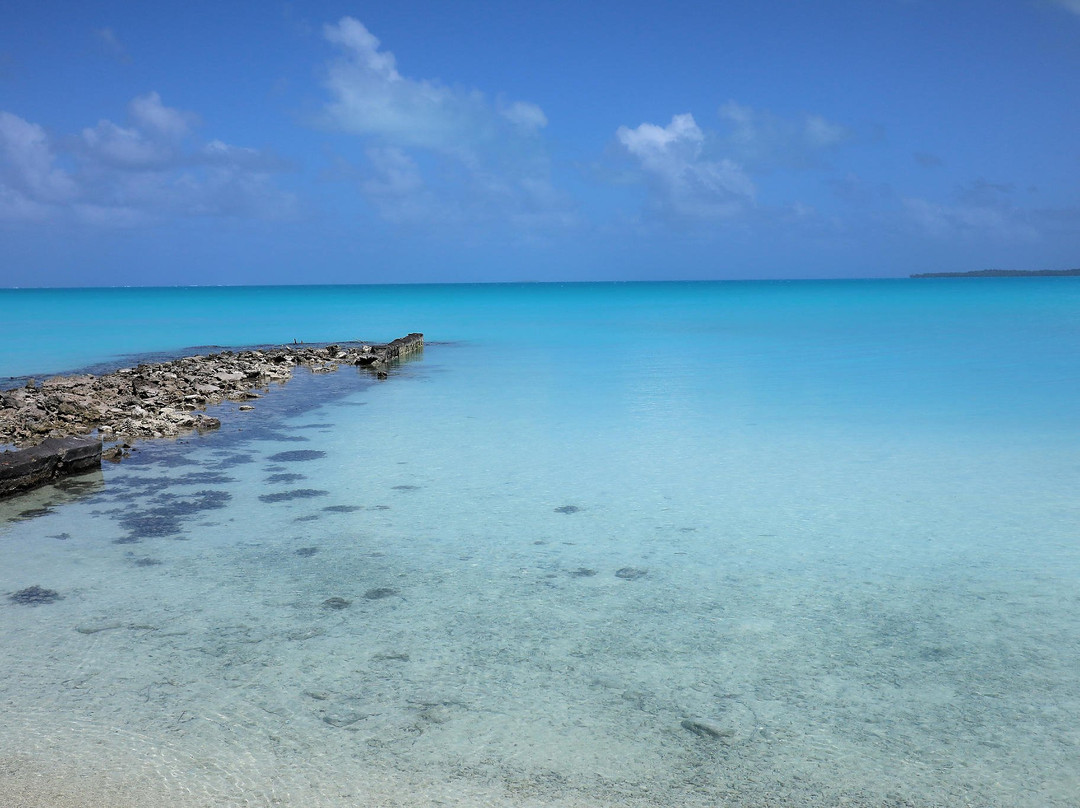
[[836, 522]]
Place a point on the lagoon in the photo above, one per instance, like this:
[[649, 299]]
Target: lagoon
[[787, 543]]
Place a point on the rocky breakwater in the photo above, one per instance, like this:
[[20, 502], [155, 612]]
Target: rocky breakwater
[[64, 419]]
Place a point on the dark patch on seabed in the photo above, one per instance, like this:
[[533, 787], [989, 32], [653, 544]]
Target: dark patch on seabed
[[34, 596], [167, 516], [379, 593], [204, 478], [297, 456], [280, 437], [285, 478], [231, 461], [299, 493]]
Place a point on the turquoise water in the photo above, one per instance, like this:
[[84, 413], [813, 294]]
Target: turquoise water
[[808, 543]]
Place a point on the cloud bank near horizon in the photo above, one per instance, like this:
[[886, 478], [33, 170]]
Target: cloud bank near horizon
[[155, 167]]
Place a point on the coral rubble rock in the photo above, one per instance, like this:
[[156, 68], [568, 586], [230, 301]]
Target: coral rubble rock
[[152, 401]]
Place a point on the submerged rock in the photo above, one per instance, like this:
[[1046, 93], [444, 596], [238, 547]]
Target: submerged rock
[[34, 596], [380, 592], [704, 728], [343, 718]]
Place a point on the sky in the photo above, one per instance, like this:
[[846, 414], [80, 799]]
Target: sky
[[250, 142]]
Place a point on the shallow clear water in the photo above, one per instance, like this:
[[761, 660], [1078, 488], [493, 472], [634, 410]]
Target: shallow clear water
[[638, 544]]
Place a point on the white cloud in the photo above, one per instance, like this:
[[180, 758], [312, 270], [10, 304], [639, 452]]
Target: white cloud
[[765, 141], [31, 184], [116, 146], [685, 182], [370, 97], [435, 152], [122, 175], [525, 115], [152, 116]]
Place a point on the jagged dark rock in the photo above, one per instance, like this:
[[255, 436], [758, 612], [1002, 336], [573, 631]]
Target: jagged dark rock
[[53, 458]]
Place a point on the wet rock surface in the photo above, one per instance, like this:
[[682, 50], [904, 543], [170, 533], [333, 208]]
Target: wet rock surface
[[53, 458]]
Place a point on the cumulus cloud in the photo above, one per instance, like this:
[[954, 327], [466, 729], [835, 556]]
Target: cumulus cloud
[[702, 174], [524, 115], [684, 180], [121, 175], [433, 151], [27, 164], [765, 141], [151, 115]]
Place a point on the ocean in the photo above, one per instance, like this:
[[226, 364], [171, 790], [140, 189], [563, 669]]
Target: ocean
[[809, 543]]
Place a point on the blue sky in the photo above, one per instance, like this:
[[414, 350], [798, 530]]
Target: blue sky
[[331, 142]]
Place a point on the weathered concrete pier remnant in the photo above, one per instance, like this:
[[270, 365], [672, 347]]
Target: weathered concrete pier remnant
[[24, 469], [154, 401]]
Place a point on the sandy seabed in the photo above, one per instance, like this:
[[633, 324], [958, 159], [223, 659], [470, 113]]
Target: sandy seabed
[[261, 620]]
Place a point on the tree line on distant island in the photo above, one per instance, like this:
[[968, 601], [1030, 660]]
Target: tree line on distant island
[[1000, 273]]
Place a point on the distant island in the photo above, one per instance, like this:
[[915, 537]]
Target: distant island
[[1001, 273]]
